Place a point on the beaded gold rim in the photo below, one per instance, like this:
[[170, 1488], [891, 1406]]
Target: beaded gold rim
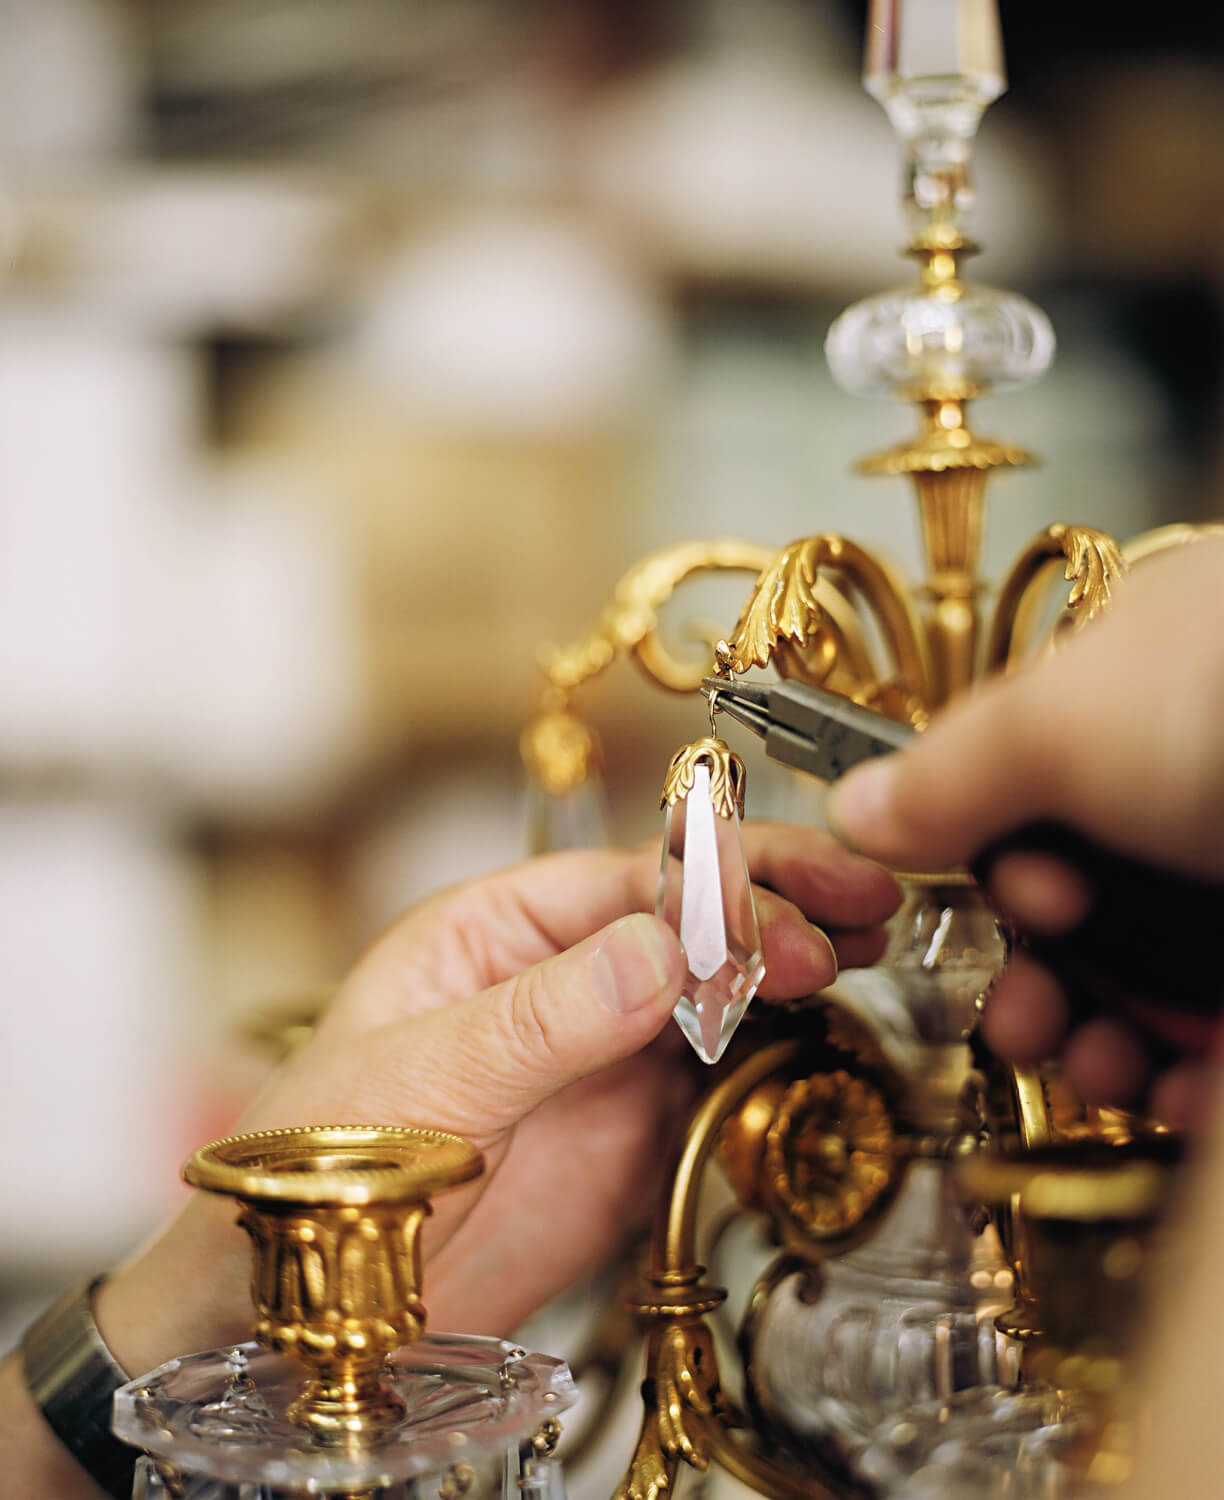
[[335, 1164]]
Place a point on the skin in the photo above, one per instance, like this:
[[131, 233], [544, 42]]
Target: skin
[[1118, 734], [523, 1011]]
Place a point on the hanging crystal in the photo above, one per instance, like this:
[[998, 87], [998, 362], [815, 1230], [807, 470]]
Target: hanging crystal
[[705, 894], [566, 804]]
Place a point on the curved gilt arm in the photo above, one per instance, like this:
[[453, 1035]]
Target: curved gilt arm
[[1094, 565], [787, 608], [630, 622], [686, 1419], [684, 1409], [1166, 538]]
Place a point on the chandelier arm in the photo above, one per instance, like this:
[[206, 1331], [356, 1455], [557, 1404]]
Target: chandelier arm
[[630, 620], [1166, 538], [838, 654], [786, 608], [888, 594], [685, 1409], [1014, 624], [1094, 565], [675, 1242]]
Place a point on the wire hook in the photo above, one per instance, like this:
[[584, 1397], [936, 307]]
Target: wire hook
[[712, 704]]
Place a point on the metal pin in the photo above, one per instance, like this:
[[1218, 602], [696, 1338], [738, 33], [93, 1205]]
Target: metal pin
[[712, 703]]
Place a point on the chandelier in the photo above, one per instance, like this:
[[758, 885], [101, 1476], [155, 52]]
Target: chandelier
[[885, 1266], [935, 1309]]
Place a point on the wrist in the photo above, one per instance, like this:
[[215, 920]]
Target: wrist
[[187, 1291]]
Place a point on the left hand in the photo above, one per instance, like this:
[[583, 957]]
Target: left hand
[[512, 1010]]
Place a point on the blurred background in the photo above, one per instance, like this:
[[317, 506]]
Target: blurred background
[[350, 351]]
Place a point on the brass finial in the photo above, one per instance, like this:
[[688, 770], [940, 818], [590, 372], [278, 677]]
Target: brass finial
[[334, 1212]]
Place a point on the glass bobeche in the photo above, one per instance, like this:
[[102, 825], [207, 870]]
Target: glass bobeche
[[220, 1419]]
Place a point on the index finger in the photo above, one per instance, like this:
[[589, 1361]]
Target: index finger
[[489, 929]]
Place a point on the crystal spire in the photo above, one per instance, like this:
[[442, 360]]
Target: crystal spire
[[935, 65], [705, 894]]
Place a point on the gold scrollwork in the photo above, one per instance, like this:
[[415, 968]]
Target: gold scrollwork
[[727, 776], [832, 648], [630, 622]]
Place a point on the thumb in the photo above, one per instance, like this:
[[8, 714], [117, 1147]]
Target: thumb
[[491, 1059]]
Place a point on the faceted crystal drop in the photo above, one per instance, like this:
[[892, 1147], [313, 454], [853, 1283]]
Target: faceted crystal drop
[[705, 896], [573, 819]]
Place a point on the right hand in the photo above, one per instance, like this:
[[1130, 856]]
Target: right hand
[[1119, 735]]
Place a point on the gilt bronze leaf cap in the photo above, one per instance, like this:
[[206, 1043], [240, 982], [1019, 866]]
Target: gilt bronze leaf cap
[[728, 777]]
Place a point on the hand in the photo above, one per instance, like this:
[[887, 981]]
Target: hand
[[512, 1010], [1118, 734]]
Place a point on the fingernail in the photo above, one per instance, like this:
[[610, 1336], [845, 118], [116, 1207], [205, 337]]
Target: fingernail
[[826, 942], [637, 959], [859, 803]]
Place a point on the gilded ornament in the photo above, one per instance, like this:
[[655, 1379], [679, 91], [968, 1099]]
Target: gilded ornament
[[783, 606], [568, 666], [630, 621], [686, 1375], [792, 603], [652, 1472], [830, 1153], [727, 776], [944, 441], [544, 1439], [334, 1214], [456, 1482], [559, 751], [1094, 567], [682, 1373]]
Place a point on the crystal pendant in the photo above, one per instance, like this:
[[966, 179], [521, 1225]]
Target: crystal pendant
[[573, 819], [705, 894], [566, 803]]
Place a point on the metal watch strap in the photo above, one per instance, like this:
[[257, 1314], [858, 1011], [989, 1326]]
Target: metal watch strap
[[73, 1377]]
